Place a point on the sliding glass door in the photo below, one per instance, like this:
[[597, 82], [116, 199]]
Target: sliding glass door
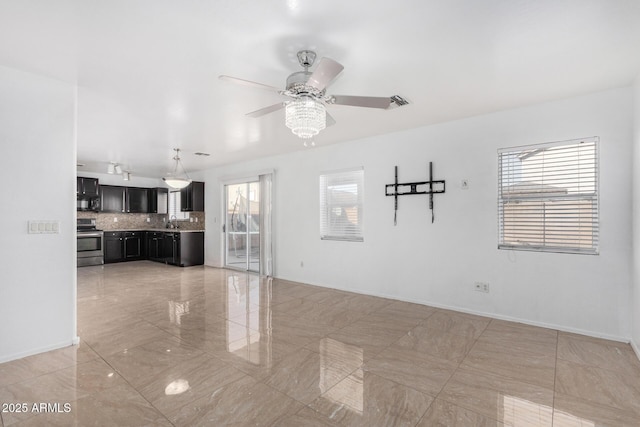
[[242, 226]]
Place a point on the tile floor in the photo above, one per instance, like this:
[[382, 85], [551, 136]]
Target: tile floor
[[164, 346]]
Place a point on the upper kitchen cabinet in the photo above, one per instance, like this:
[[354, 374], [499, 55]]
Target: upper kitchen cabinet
[[112, 198], [159, 200], [87, 187], [119, 199], [192, 197], [137, 200]]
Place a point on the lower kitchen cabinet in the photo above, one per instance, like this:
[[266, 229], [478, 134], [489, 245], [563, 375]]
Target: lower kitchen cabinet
[[183, 249], [155, 246], [134, 247], [113, 246], [124, 246]]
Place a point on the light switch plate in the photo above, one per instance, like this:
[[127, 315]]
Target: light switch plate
[[43, 227]]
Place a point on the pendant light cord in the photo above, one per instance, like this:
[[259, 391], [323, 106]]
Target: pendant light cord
[[179, 161]]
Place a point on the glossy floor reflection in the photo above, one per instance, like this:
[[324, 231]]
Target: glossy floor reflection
[[174, 346]]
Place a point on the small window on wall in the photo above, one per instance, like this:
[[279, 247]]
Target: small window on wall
[[174, 207], [341, 195], [548, 197]]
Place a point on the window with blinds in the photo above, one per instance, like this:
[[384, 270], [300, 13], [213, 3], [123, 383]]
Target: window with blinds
[[548, 197], [175, 212], [341, 195]]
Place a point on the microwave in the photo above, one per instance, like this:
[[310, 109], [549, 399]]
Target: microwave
[[88, 204]]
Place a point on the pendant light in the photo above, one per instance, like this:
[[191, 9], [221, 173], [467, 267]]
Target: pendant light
[[172, 179]]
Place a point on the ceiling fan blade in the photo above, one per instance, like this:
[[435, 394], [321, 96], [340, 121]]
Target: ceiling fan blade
[[361, 101], [266, 110], [330, 120], [327, 70], [244, 82]]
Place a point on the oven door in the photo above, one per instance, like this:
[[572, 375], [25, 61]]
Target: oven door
[[90, 247]]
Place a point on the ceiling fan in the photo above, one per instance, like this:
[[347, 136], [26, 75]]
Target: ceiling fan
[[305, 112]]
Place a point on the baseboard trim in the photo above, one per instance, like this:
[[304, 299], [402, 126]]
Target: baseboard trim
[[496, 316], [20, 355]]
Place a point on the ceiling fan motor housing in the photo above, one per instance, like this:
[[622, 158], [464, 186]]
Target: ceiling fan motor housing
[[297, 85]]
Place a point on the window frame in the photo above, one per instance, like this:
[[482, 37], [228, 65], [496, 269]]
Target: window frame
[[332, 231], [177, 204], [571, 201]]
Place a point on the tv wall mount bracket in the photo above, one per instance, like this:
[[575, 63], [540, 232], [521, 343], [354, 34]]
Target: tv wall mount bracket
[[430, 187]]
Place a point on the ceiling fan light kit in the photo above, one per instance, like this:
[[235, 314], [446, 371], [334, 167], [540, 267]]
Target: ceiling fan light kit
[[305, 117], [173, 180], [305, 113]]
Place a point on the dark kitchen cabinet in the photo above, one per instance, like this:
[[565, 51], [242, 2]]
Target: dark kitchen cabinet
[[113, 246], [118, 199], [192, 197], [184, 249], [158, 200], [124, 246], [87, 187], [112, 198], [155, 246], [171, 248], [133, 245], [137, 200], [191, 248]]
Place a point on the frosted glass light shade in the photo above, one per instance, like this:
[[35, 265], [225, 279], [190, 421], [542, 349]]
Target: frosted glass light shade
[[175, 182]]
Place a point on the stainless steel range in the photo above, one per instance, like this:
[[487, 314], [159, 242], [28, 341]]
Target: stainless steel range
[[90, 242]]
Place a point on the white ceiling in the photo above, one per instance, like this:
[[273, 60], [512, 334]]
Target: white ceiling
[[147, 70]]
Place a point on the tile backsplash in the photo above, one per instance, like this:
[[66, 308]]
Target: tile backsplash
[[131, 221]]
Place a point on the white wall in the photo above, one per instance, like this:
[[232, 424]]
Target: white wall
[[635, 305], [37, 271], [438, 263]]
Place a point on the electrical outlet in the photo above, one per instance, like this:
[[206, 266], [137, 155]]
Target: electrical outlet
[[481, 287], [115, 219]]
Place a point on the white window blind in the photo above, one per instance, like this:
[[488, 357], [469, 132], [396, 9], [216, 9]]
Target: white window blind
[[548, 197], [174, 207], [341, 195]]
